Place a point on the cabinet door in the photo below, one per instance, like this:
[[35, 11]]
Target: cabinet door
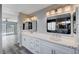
[[36, 45], [59, 52], [77, 51], [40, 46], [58, 49], [45, 50], [30, 43], [64, 50], [23, 41]]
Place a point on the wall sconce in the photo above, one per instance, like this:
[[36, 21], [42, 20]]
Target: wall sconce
[[67, 8]]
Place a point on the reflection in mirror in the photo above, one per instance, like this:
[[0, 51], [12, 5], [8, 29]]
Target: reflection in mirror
[[23, 26], [27, 25], [52, 25], [30, 26], [61, 24]]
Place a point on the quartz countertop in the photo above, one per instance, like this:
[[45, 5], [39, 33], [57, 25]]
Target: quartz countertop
[[69, 41]]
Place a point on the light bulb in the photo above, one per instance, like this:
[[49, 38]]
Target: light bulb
[[52, 12], [67, 8], [35, 18], [32, 18], [48, 14], [27, 20], [60, 10]]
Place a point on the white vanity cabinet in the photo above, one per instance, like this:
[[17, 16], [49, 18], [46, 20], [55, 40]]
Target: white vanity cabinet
[[58, 49], [30, 43], [24, 41], [45, 49], [40, 46], [65, 50], [35, 45]]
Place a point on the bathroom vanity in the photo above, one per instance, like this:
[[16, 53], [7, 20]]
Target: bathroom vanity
[[60, 37], [40, 43], [51, 35]]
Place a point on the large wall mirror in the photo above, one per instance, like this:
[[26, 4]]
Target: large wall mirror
[[27, 25], [59, 24], [30, 26]]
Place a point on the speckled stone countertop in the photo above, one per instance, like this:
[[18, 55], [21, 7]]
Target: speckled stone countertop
[[69, 41]]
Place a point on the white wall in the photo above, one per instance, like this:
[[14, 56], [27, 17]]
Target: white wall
[[42, 19], [41, 22], [19, 29], [77, 22], [0, 28]]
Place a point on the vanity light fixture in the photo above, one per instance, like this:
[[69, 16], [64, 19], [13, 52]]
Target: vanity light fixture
[[60, 11], [30, 19]]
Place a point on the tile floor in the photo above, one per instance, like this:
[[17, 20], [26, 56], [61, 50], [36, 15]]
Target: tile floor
[[10, 47], [16, 50]]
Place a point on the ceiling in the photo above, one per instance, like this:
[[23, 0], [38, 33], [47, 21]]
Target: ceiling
[[12, 10], [25, 8]]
